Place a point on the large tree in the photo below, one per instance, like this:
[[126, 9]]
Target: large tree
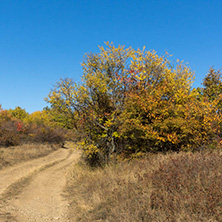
[[131, 101], [95, 105]]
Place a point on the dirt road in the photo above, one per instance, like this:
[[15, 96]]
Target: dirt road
[[33, 191]]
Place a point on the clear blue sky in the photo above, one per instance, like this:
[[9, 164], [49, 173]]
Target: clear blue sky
[[43, 40]]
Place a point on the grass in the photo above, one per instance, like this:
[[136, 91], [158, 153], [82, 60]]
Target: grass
[[16, 154], [171, 187]]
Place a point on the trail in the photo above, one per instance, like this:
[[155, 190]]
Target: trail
[[41, 199]]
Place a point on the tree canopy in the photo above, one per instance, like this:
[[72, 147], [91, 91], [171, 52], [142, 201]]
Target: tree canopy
[[135, 101]]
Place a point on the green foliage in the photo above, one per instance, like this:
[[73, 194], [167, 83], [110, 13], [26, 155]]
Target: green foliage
[[61, 98], [213, 91], [213, 84], [213, 87]]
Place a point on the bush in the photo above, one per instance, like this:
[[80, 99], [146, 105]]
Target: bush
[[48, 134], [189, 182], [15, 131], [9, 134]]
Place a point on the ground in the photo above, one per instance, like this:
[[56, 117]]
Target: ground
[[33, 190]]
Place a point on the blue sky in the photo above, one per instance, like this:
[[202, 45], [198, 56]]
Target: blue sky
[[42, 41]]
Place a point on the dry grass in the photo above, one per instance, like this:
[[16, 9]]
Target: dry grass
[[172, 187], [12, 155]]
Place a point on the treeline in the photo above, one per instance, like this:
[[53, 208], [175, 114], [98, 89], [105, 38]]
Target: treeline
[[19, 127], [131, 102]]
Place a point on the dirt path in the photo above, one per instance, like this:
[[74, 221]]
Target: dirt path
[[41, 198]]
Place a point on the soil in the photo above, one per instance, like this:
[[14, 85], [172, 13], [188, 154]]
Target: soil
[[33, 191]]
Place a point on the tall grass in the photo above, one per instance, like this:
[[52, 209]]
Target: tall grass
[[171, 187], [12, 155]]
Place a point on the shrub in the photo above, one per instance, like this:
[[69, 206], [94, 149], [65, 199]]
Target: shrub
[[10, 134], [15, 131], [48, 134], [190, 183]]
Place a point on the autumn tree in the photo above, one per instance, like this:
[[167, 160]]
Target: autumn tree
[[18, 113], [98, 100], [213, 92], [163, 112], [213, 86], [213, 83], [132, 101], [154, 115]]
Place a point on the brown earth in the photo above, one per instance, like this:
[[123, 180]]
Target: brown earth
[[33, 191]]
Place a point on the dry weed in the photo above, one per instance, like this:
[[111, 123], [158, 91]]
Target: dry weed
[[12, 155], [172, 187]]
